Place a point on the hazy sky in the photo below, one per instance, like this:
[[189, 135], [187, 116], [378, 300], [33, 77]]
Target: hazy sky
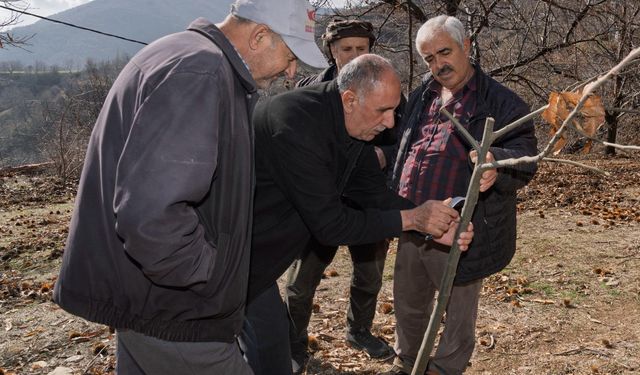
[[43, 8], [49, 7]]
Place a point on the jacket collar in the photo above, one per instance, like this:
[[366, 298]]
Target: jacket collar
[[338, 112], [214, 34], [329, 74], [481, 81]]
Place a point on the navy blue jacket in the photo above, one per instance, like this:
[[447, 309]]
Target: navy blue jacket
[[494, 218]]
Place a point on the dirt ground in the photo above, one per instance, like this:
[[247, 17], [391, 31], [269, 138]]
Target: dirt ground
[[569, 303]]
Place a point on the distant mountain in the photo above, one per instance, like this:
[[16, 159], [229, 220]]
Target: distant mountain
[[143, 20]]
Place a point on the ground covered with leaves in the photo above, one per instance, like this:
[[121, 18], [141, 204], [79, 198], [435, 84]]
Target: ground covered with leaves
[[567, 304]]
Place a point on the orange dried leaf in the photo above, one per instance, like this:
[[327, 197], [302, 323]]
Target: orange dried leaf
[[386, 308], [314, 344], [589, 120]]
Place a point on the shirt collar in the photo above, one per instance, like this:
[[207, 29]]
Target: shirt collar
[[471, 85]]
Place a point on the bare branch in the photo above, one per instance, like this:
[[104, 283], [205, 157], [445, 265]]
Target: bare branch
[[622, 147], [461, 129], [519, 122], [577, 164]]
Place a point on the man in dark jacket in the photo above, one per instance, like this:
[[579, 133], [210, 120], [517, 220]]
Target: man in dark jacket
[[434, 162], [311, 151], [160, 236], [343, 41]]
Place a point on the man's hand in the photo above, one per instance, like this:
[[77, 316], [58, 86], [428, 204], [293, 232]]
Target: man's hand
[[489, 176], [433, 217], [463, 241]]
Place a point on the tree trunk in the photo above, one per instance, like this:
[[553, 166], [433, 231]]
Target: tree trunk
[[451, 7], [611, 118]]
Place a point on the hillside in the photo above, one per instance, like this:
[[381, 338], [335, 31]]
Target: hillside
[[143, 20], [567, 304]]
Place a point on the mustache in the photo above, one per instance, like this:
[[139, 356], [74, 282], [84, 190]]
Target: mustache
[[444, 70]]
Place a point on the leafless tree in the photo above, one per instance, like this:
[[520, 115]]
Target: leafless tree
[[534, 47], [69, 119], [6, 37]]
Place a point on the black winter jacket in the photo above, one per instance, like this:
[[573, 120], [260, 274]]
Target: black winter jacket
[[494, 218], [386, 140], [306, 164], [160, 236]]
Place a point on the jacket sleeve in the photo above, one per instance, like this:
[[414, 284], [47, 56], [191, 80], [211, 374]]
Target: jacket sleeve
[[165, 168], [303, 167], [389, 140], [397, 154], [517, 143], [367, 186]]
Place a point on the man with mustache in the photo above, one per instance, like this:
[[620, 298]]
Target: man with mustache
[[311, 153], [434, 162]]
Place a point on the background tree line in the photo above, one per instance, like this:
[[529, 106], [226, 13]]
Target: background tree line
[[47, 114], [534, 47]]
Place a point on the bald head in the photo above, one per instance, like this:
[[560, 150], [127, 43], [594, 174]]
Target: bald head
[[365, 73], [370, 91]]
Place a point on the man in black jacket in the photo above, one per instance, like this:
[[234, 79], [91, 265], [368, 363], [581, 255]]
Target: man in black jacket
[[159, 241], [434, 162], [343, 41], [311, 152]]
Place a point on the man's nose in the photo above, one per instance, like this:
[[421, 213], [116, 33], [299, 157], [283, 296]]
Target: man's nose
[[389, 119], [436, 63], [290, 72]]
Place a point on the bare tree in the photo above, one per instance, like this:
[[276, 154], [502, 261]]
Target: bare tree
[[69, 119], [623, 17], [6, 37], [534, 47]]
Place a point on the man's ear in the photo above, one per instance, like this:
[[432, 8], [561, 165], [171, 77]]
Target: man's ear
[[349, 99], [467, 46], [258, 35]]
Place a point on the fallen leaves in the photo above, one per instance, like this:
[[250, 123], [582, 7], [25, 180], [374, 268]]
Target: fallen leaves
[[606, 343], [314, 344], [386, 308], [14, 286], [330, 273], [61, 371], [39, 365], [604, 201], [510, 328]]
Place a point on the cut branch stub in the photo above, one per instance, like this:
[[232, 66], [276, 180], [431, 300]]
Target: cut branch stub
[[560, 106]]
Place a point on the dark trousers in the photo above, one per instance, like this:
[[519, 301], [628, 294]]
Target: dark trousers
[[265, 334], [368, 264], [137, 354]]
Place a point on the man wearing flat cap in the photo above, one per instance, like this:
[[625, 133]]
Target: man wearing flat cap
[[343, 41]]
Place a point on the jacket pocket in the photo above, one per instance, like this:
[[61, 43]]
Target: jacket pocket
[[217, 268]]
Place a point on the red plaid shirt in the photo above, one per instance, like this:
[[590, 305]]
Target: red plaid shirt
[[437, 165]]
